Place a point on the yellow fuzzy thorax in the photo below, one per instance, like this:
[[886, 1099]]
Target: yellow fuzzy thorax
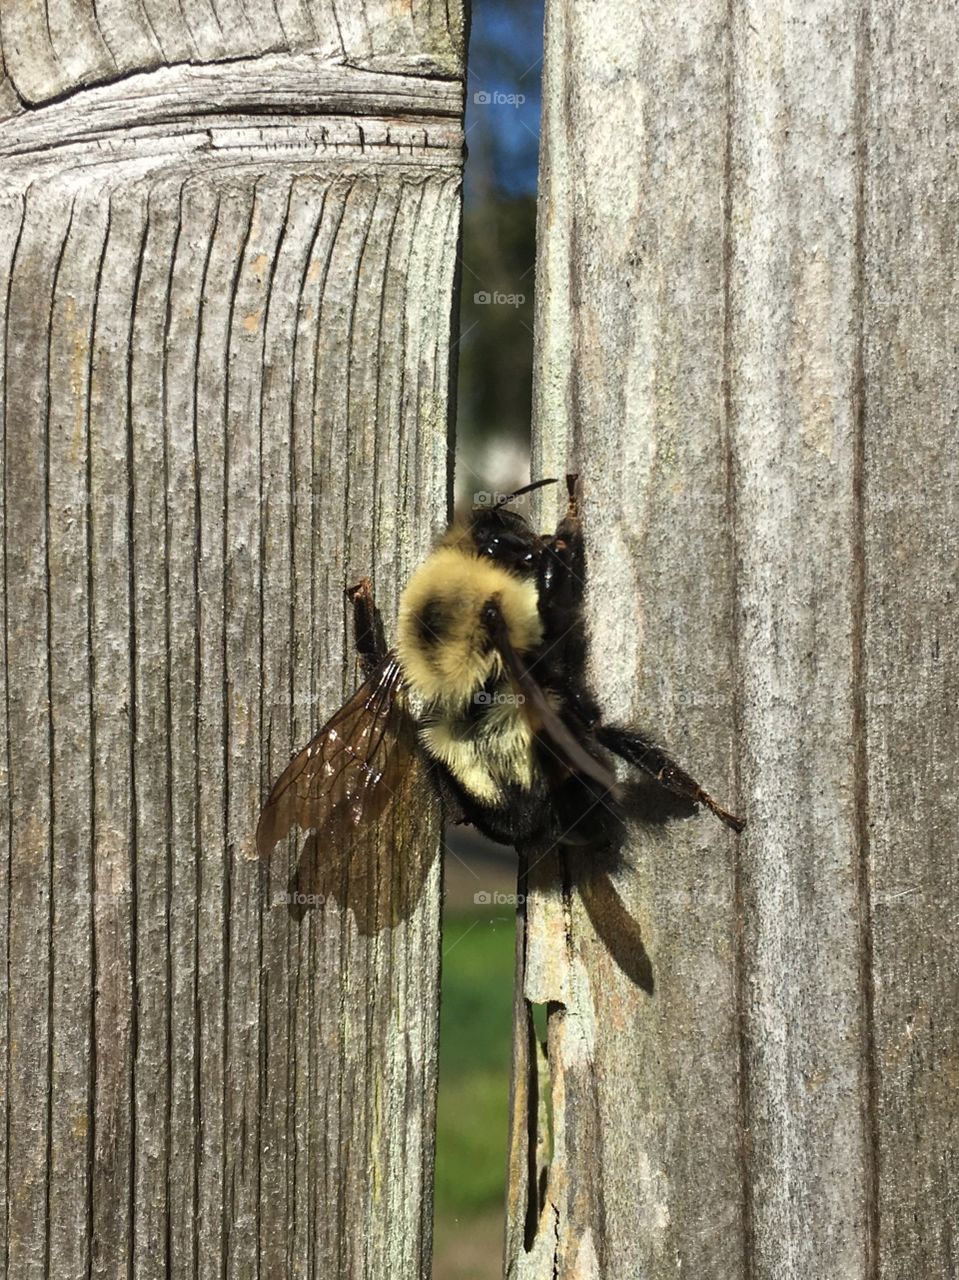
[[442, 644]]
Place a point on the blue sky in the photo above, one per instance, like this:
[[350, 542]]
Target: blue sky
[[503, 96]]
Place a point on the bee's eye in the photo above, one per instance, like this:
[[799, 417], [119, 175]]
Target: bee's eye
[[491, 547]]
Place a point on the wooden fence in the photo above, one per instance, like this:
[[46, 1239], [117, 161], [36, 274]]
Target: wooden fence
[[747, 327], [227, 256]]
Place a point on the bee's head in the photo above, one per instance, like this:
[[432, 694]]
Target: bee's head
[[503, 536], [506, 538]]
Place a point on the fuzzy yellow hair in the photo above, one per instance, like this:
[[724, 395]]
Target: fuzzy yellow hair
[[483, 756], [442, 644]]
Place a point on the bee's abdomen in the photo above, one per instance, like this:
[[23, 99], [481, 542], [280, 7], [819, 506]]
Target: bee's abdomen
[[488, 747]]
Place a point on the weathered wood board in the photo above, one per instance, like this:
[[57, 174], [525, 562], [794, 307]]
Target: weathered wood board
[[747, 301], [227, 250]]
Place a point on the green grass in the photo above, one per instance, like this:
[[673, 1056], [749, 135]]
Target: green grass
[[475, 1034]]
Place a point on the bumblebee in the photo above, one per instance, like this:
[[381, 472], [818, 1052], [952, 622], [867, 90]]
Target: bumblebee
[[487, 682]]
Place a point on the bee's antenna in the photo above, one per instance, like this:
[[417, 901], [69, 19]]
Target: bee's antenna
[[518, 493]]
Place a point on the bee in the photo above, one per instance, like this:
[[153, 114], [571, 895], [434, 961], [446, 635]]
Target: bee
[[487, 685]]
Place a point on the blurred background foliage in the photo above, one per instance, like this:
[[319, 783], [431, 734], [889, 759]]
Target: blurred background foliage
[[493, 421]]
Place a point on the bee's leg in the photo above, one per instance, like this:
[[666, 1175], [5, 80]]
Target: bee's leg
[[653, 760], [560, 584], [570, 522], [562, 567], [368, 626]]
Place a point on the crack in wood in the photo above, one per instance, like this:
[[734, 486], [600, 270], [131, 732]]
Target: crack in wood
[[278, 87]]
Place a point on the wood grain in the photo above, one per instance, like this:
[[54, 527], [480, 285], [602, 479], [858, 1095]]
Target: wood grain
[[51, 50], [228, 280], [910, 536], [746, 347]]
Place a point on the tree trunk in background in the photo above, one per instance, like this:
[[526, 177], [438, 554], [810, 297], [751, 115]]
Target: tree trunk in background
[[748, 311], [227, 251]]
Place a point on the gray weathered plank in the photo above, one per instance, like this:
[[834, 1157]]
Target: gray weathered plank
[[645, 1174], [794, 436], [34, 736], [225, 398], [283, 338], [72, 994], [150, 554], [116, 845], [11, 223], [910, 532], [188, 275], [746, 347], [171, 98], [51, 50]]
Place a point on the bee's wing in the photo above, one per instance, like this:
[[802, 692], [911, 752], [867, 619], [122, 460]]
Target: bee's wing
[[539, 710], [350, 772]]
